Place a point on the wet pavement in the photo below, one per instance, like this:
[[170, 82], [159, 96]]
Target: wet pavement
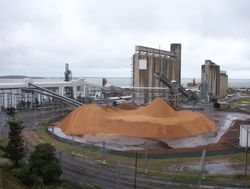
[[114, 142], [223, 122], [219, 168]]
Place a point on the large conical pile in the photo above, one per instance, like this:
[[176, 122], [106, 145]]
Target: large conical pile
[[157, 108], [83, 120], [156, 120]]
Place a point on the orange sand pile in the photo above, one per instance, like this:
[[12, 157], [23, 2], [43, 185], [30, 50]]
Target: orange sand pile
[[156, 120], [126, 106]]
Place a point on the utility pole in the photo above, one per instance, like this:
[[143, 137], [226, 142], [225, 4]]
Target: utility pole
[[103, 153], [118, 174], [202, 166], [146, 161], [246, 156], [135, 168]]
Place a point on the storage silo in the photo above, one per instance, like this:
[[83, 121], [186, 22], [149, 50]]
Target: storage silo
[[148, 61], [244, 135]]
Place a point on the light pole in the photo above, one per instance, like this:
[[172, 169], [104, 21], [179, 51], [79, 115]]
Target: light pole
[[135, 168], [146, 161], [118, 174], [202, 166]]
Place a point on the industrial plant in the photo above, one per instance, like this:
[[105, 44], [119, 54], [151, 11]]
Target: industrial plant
[[148, 63], [156, 117], [156, 69], [155, 73]]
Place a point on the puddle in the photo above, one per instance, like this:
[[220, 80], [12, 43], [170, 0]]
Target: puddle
[[223, 120], [219, 168]]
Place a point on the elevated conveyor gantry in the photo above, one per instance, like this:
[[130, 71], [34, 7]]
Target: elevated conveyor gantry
[[50, 93], [188, 94]]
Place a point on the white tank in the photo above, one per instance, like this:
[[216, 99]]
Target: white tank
[[244, 131]]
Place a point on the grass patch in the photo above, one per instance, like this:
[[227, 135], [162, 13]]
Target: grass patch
[[240, 101], [9, 182]]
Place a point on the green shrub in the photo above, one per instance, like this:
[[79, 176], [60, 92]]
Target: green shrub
[[23, 175]]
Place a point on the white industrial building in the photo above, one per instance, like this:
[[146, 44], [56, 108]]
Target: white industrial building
[[11, 93]]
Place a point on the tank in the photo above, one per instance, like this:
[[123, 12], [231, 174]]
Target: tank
[[244, 135]]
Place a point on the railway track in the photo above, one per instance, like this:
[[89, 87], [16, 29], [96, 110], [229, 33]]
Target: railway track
[[83, 171]]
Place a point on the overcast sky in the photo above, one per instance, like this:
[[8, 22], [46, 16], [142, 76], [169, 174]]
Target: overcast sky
[[97, 38]]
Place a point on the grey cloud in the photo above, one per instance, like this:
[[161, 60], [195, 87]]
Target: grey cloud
[[98, 37]]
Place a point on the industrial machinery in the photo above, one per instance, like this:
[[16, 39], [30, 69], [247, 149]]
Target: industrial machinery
[[67, 73], [186, 93]]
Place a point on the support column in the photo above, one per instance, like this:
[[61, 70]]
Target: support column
[[61, 90], [74, 91]]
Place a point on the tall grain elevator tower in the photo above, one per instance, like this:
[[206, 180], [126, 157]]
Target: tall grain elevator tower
[[214, 81], [148, 61], [210, 74]]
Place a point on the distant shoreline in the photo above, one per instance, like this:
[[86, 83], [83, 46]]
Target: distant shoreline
[[117, 81], [87, 77], [18, 77]]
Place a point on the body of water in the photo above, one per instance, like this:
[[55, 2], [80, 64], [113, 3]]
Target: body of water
[[126, 81]]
